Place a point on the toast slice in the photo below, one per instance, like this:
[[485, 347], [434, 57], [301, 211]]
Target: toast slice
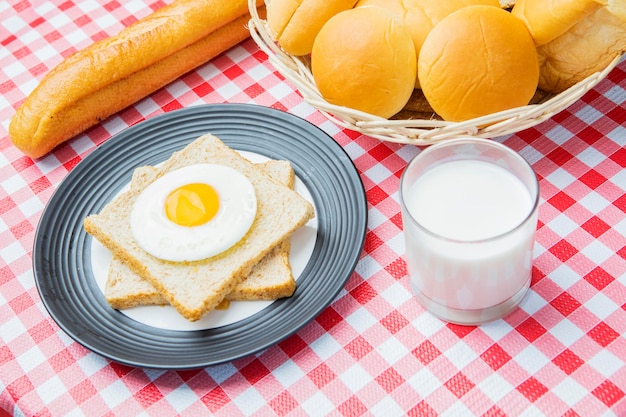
[[194, 288], [270, 279]]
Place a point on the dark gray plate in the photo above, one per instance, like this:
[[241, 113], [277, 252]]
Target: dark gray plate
[[62, 249]]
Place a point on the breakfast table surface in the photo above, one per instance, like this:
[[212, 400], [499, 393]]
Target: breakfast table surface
[[373, 350]]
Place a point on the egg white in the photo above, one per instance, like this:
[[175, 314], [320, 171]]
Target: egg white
[[166, 240]]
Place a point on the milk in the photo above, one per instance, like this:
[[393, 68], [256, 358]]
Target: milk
[[468, 200], [469, 231]]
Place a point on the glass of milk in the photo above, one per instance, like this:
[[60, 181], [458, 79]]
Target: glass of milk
[[469, 211]]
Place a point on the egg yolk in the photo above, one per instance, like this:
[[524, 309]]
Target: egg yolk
[[192, 204]]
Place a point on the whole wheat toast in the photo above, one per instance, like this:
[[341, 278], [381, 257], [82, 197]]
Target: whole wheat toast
[[270, 279], [194, 288]]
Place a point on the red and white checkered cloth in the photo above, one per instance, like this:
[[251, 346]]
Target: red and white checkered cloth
[[374, 351]]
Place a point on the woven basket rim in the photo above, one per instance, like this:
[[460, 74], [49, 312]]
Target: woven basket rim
[[413, 131]]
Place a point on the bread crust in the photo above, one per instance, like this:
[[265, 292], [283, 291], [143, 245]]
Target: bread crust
[[111, 74]]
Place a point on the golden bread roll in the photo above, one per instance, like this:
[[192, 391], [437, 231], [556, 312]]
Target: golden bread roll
[[547, 20], [588, 47], [364, 59], [294, 24], [477, 61], [113, 73], [420, 16]]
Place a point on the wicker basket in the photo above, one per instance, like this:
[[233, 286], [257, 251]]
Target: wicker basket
[[417, 124]]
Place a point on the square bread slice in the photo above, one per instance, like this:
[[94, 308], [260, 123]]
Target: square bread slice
[[270, 279], [194, 288]]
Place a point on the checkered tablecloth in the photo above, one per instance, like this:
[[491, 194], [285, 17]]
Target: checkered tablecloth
[[374, 350]]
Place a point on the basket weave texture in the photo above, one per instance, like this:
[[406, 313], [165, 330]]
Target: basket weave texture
[[417, 124]]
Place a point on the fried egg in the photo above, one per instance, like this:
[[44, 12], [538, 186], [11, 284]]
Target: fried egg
[[194, 212]]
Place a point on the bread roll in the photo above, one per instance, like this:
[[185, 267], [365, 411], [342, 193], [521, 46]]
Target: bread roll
[[294, 24], [364, 59], [588, 47], [477, 61], [111, 74], [547, 20], [421, 16]]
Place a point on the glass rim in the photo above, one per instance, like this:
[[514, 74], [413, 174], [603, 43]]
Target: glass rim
[[459, 141]]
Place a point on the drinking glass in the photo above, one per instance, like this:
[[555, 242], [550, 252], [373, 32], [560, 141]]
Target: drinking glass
[[469, 210]]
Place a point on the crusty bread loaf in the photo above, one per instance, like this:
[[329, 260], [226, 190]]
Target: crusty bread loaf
[[194, 288], [270, 279], [111, 74]]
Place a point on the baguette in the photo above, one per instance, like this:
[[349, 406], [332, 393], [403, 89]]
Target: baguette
[[270, 279], [194, 288], [111, 74]]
